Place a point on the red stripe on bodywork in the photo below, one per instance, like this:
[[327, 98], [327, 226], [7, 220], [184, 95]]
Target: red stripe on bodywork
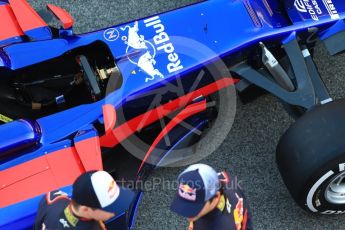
[[89, 152], [184, 114], [65, 18], [26, 16], [48, 172], [9, 25], [123, 131], [38, 176]]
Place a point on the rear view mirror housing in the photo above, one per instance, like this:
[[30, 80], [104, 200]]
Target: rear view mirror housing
[[64, 17]]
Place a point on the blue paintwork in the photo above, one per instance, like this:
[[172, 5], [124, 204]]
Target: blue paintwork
[[135, 210], [289, 38], [223, 26], [11, 41], [66, 32], [223, 37], [41, 33], [334, 29], [4, 59], [29, 53], [19, 133]]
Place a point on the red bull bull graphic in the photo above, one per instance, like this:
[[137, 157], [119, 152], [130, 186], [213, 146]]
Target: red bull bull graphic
[[136, 43], [187, 192], [134, 40], [146, 63]]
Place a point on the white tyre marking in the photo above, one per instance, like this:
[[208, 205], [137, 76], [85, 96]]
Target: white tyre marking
[[313, 189]]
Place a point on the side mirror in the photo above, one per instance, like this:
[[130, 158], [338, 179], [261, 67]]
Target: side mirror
[[64, 17], [109, 117]]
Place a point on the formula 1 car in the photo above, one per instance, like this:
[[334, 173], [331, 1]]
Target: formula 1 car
[[77, 102]]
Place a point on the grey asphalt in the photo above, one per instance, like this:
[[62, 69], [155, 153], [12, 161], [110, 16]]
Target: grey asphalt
[[248, 151]]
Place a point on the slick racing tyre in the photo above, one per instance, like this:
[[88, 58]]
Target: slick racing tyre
[[311, 159]]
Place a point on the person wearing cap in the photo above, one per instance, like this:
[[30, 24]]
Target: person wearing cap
[[209, 201], [95, 198]]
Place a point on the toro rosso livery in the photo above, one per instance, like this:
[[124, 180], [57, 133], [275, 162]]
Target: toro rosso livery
[[70, 102]]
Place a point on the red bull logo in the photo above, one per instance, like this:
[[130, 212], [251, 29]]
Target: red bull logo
[[112, 189], [238, 213], [162, 41], [187, 192], [146, 62], [136, 42]]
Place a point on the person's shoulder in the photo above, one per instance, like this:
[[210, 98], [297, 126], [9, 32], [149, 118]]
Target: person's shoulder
[[55, 196], [51, 203], [230, 185], [236, 201]]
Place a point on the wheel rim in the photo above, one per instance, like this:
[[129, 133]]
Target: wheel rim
[[335, 192]]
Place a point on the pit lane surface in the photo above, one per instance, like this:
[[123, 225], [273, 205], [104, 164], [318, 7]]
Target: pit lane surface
[[248, 151]]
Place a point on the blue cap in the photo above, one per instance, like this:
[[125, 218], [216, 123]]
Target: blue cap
[[197, 185]]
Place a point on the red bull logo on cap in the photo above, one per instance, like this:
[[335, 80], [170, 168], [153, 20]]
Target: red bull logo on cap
[[112, 189], [187, 192]]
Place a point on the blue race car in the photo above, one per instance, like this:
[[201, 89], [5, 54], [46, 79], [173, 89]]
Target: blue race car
[[113, 91]]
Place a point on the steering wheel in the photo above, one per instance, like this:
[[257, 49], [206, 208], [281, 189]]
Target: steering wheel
[[89, 77]]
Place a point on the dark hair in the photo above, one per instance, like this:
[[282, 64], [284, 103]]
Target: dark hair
[[75, 205]]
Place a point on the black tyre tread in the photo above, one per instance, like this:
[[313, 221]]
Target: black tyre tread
[[316, 139]]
